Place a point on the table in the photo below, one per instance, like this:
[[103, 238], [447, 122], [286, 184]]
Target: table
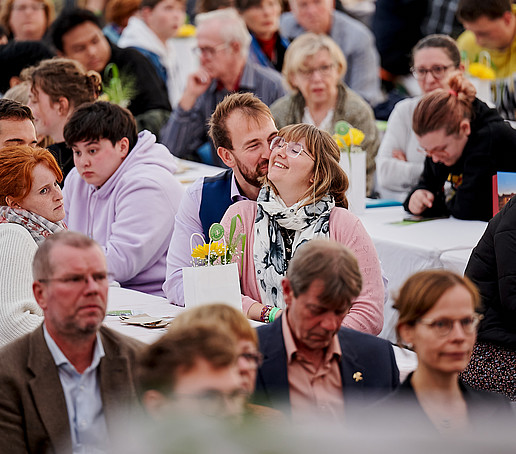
[[188, 171], [123, 299], [405, 249]]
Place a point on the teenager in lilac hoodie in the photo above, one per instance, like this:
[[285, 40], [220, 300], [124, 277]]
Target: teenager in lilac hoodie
[[122, 193]]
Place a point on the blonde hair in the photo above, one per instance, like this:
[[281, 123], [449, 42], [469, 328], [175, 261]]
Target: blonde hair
[[307, 45]]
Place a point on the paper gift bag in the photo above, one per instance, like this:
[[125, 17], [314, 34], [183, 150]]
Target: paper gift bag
[[354, 164], [212, 284]]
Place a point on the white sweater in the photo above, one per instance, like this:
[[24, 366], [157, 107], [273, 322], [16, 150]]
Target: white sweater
[[396, 178], [19, 312]]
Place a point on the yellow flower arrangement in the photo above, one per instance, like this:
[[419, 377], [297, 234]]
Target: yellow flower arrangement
[[481, 71], [208, 253], [215, 250], [186, 31], [348, 137]]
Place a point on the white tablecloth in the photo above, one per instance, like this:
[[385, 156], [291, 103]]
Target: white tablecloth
[[406, 249]]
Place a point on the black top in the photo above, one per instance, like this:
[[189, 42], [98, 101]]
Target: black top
[[64, 157], [151, 90], [483, 407], [492, 267], [491, 147]]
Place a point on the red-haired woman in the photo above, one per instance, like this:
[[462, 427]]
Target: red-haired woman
[[31, 208], [465, 143]]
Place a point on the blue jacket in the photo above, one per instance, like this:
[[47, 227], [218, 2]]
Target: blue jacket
[[371, 356]]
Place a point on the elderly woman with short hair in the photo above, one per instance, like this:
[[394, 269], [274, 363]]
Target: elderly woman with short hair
[[313, 69]]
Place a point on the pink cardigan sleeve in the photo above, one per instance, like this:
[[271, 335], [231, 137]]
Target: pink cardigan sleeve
[[366, 313], [248, 283]]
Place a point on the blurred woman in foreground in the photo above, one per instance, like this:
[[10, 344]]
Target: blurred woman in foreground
[[438, 320]]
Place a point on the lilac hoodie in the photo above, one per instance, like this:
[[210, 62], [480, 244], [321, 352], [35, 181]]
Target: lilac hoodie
[[131, 215]]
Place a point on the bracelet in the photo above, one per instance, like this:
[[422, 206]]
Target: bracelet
[[264, 314], [272, 314]]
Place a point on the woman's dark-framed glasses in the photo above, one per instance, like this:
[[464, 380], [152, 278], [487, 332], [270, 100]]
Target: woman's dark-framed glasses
[[438, 71], [294, 149], [443, 326]]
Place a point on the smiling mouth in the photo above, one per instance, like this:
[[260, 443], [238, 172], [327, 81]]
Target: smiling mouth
[[280, 165]]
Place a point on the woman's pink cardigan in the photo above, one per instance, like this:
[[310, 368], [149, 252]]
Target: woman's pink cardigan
[[366, 313]]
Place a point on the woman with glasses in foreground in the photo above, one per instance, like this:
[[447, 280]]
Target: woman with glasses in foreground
[[303, 197], [31, 208], [398, 164], [438, 320], [465, 143]]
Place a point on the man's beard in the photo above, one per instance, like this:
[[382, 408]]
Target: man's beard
[[254, 176]]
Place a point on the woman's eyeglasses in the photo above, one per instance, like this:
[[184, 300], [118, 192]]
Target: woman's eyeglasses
[[294, 149], [438, 71], [443, 326], [323, 70]]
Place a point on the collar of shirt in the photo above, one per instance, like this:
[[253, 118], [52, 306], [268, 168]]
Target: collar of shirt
[[236, 193], [293, 354], [60, 359]]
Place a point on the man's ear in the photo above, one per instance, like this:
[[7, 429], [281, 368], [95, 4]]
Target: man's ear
[[38, 289], [226, 156], [13, 81], [235, 46], [123, 147], [144, 13], [288, 293], [507, 17], [155, 403]]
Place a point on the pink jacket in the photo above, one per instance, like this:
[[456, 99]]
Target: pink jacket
[[366, 314]]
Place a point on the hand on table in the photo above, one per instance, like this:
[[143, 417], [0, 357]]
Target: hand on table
[[420, 201]]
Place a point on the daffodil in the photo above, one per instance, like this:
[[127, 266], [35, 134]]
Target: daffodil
[[481, 71]]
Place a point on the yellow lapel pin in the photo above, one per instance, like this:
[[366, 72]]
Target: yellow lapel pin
[[357, 376]]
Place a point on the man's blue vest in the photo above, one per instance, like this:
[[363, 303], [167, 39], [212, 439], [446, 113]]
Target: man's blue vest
[[216, 198]]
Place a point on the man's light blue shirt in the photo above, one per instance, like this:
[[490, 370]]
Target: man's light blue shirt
[[83, 399]]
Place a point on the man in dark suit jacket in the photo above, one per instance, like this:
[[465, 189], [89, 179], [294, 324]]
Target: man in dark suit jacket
[[61, 385], [311, 365]]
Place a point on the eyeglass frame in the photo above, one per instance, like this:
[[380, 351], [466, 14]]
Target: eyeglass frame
[[218, 400], [256, 358], [76, 279], [34, 6], [323, 70], [444, 68], [431, 323], [290, 150], [210, 51]]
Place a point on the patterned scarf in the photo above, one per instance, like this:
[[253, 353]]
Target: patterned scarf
[[307, 222], [38, 226]]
